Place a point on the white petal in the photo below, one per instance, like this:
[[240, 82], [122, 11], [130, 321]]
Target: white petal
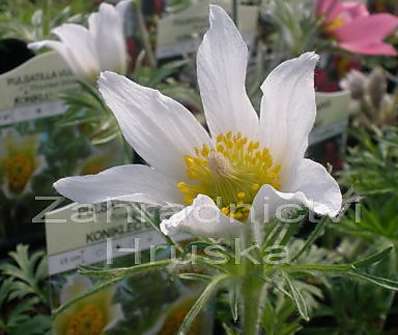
[[321, 191], [93, 23], [221, 69], [75, 285], [80, 43], [288, 110], [160, 129], [122, 6], [62, 50], [107, 26], [137, 183], [265, 206], [313, 188], [202, 218]]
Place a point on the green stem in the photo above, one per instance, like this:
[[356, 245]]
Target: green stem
[[146, 39], [316, 267], [252, 291], [395, 244], [115, 275], [46, 17], [318, 231], [252, 294], [392, 294], [394, 270]]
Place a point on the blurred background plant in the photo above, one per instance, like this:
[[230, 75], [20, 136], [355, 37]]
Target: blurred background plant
[[86, 109], [371, 171], [32, 21], [24, 298], [374, 106], [288, 28], [372, 165]]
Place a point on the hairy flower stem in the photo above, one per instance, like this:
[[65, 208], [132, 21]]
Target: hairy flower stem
[[146, 39], [252, 306], [252, 295]]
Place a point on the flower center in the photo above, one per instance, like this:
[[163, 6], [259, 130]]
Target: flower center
[[176, 317], [230, 173], [88, 321], [335, 24], [19, 169]]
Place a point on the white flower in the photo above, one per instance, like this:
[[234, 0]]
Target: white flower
[[20, 162], [99, 48], [94, 314], [249, 161]]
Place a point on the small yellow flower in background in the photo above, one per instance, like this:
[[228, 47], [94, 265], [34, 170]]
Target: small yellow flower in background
[[19, 162], [174, 316], [93, 315]]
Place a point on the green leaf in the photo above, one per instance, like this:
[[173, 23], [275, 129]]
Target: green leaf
[[123, 272], [350, 270], [379, 281], [333, 268], [297, 298], [229, 331], [195, 277], [28, 273], [280, 319], [272, 233], [111, 276], [38, 325], [200, 303], [317, 232], [233, 296], [374, 258], [6, 289], [20, 312]]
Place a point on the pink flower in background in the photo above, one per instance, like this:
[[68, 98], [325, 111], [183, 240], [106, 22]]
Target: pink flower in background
[[355, 29]]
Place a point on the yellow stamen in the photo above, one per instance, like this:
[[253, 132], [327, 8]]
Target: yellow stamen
[[231, 173], [205, 150], [88, 320], [241, 195], [225, 210], [238, 216]]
